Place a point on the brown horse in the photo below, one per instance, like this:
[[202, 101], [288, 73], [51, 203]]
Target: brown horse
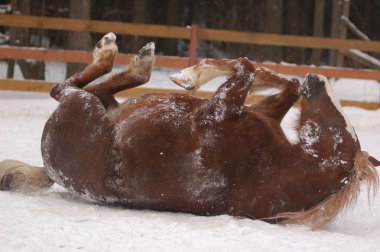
[[176, 152]]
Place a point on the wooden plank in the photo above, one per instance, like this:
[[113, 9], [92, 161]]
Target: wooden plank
[[176, 32], [177, 62], [66, 24], [329, 72], [287, 40], [81, 57], [41, 86], [27, 85]]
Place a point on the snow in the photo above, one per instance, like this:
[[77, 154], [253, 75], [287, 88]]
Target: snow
[[309, 135], [366, 57], [55, 220]]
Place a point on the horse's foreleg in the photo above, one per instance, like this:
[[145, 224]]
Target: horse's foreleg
[[139, 73], [20, 177], [275, 106], [104, 54], [228, 100]]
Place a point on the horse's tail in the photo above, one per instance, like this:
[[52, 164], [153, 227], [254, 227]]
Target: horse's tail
[[323, 213], [20, 177]]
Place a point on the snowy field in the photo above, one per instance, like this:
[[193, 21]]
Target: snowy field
[[56, 221]]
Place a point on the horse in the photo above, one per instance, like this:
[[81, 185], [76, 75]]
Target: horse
[[180, 153]]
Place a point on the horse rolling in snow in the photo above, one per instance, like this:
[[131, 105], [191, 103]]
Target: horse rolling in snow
[[176, 152]]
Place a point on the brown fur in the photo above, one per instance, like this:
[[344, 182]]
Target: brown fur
[[174, 152], [324, 212]]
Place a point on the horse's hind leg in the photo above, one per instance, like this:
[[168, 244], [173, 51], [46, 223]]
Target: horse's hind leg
[[20, 177], [139, 72], [104, 54]]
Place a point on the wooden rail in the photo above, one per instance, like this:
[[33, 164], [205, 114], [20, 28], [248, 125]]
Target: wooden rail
[[175, 32], [42, 86], [177, 62]]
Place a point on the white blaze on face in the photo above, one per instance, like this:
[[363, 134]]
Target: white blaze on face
[[336, 103]]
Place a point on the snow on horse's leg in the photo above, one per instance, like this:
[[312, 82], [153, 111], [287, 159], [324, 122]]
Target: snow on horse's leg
[[104, 55], [139, 72], [143, 61], [20, 177]]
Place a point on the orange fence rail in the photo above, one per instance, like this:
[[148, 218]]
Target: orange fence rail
[[178, 62], [174, 32], [43, 86]]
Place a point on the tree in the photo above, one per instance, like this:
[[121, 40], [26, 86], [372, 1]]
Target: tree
[[78, 40], [319, 11], [273, 24], [335, 21], [139, 16], [173, 18], [21, 37]]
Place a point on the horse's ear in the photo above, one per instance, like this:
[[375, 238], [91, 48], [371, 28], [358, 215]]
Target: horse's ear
[[374, 161]]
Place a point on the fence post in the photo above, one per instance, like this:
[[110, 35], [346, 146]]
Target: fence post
[[193, 45]]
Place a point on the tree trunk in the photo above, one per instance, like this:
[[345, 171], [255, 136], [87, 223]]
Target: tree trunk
[[343, 30], [273, 24], [139, 16], [319, 11], [78, 40], [173, 18], [335, 21], [292, 19], [21, 37]]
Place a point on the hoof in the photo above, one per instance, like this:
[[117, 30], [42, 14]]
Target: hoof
[[184, 79], [20, 177], [144, 59], [106, 49], [147, 50]]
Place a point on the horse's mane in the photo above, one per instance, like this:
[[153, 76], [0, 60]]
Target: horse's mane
[[327, 210]]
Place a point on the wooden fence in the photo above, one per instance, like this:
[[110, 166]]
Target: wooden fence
[[193, 34]]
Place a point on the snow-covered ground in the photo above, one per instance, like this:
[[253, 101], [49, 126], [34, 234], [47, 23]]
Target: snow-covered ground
[[56, 221]]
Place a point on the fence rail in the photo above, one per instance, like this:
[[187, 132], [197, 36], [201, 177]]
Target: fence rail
[[178, 62], [43, 86], [175, 32]]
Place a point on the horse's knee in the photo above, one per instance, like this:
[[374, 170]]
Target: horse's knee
[[246, 64], [20, 177]]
